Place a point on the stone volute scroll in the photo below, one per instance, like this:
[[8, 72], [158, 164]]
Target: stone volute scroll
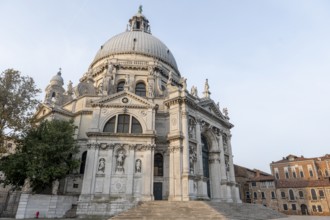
[[120, 160], [138, 166], [184, 83]]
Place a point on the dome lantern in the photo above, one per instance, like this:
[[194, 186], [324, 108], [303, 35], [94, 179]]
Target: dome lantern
[[139, 22]]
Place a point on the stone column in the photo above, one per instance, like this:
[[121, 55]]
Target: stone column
[[234, 188], [223, 173], [214, 166], [201, 185], [90, 166], [108, 170], [175, 173], [130, 160], [148, 175], [231, 163], [185, 156]]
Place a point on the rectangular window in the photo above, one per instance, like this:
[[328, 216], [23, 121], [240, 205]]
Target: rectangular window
[[285, 207], [301, 194], [294, 207], [253, 184], [301, 174], [248, 195], [273, 195], [311, 173], [294, 174], [319, 208], [283, 195], [321, 193], [263, 195], [123, 124], [314, 208], [75, 185], [255, 195]]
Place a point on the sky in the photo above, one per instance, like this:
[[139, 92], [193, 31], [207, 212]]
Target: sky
[[267, 61]]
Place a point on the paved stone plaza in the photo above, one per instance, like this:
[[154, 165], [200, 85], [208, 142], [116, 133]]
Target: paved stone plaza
[[295, 217]]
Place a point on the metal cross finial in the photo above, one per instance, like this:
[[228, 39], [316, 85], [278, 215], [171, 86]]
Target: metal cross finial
[[59, 71], [140, 9]]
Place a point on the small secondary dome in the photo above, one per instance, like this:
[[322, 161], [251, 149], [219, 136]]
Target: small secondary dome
[[57, 79], [137, 40]]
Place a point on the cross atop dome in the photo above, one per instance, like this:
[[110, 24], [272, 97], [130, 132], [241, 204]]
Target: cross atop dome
[[139, 22]]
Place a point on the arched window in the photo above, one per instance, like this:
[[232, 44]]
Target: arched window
[[158, 165], [123, 124], [314, 196], [291, 194], [83, 162], [120, 86], [136, 126], [110, 125], [140, 89]]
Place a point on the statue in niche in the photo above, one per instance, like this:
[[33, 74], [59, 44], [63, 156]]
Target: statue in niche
[[110, 68], [150, 90], [138, 166], [100, 88], [170, 77], [225, 143], [192, 159], [191, 128], [127, 80], [101, 167], [120, 159]]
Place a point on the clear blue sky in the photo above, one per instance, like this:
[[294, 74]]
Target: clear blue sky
[[267, 61]]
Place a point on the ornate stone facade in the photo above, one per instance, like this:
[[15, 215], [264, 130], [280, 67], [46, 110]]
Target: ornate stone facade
[[142, 135]]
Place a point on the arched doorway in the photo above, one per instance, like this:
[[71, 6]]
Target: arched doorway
[[304, 210], [205, 155]]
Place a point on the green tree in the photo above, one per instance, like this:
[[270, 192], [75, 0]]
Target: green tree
[[17, 102], [44, 155]]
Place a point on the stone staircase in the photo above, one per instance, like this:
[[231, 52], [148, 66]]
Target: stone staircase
[[198, 210]]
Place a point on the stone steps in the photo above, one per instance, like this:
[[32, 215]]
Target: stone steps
[[198, 210]]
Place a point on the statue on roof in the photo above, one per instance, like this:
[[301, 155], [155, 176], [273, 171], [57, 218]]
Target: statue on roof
[[140, 9]]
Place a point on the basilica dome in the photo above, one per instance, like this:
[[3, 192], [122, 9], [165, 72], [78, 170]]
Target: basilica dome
[[137, 40]]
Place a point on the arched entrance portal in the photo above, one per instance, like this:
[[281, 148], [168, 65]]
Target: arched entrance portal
[[206, 172], [304, 210]]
